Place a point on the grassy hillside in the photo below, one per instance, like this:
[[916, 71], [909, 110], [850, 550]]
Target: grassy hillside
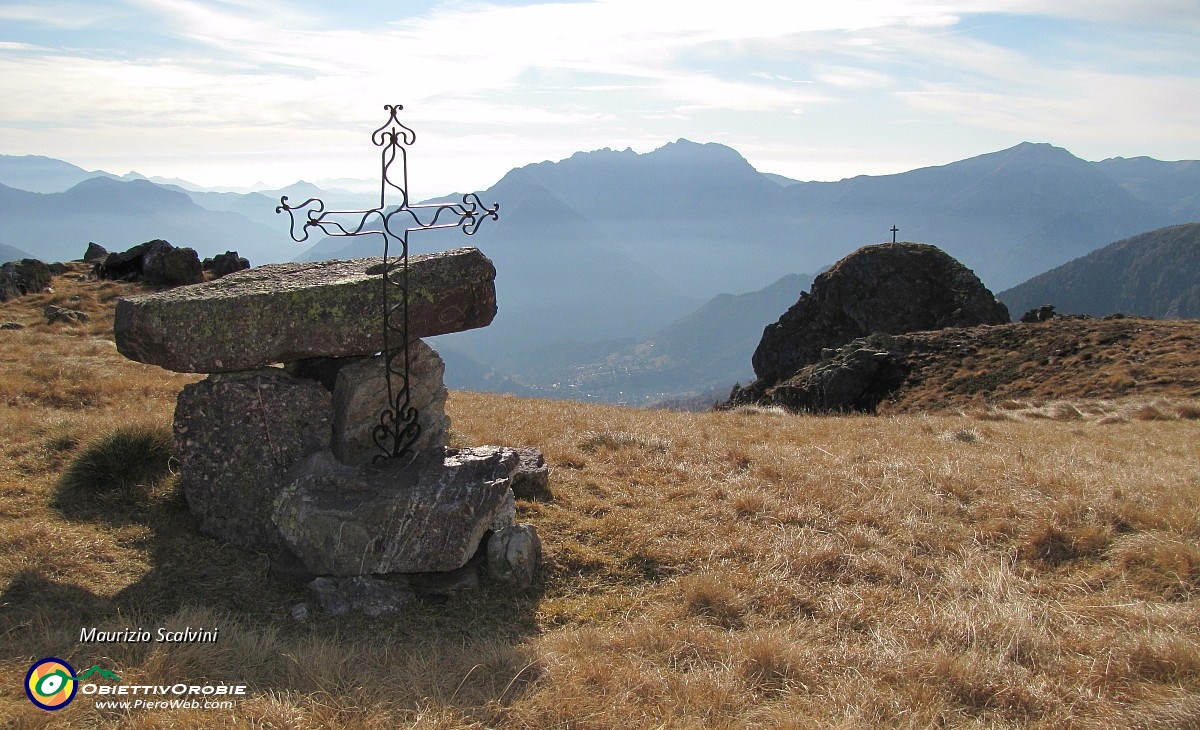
[[736, 569], [1072, 358], [1152, 274]]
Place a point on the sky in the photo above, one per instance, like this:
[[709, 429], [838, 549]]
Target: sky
[[240, 92]]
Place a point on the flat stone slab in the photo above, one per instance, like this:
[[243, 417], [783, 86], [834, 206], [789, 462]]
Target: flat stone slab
[[285, 312], [421, 516]]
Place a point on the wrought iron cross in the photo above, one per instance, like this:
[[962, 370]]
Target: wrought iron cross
[[398, 428], [894, 231]]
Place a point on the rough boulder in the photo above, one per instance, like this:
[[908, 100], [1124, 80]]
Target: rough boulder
[[224, 264], [236, 437], [424, 514], [95, 253], [154, 262], [27, 276]]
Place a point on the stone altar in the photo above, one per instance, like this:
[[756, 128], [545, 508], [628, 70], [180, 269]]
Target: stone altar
[[275, 444]]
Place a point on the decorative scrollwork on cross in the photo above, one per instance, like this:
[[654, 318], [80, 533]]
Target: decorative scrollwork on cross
[[398, 428]]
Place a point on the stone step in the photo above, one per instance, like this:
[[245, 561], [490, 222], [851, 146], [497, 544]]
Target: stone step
[[285, 312]]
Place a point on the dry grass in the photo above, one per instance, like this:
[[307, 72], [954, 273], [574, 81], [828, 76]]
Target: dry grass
[[1024, 565], [993, 368], [1122, 410]]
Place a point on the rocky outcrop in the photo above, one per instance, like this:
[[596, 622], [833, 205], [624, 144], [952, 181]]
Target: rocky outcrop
[[284, 312], [95, 253], [413, 515], [225, 263], [236, 437], [27, 276], [857, 376], [889, 288], [170, 266], [153, 262], [1043, 313]]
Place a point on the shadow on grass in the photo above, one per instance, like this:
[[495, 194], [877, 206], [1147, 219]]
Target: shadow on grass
[[252, 594]]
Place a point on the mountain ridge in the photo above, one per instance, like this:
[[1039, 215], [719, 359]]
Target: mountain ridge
[[1151, 274], [118, 214], [9, 253], [41, 174]]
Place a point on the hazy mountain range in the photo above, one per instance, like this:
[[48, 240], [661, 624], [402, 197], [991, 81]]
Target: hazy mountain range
[[8, 253], [695, 220], [604, 257], [52, 209]]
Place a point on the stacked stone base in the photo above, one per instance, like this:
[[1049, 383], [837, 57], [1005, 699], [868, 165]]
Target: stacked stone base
[[279, 460], [282, 461]]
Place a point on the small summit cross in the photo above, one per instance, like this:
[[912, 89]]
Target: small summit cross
[[398, 428], [895, 230]]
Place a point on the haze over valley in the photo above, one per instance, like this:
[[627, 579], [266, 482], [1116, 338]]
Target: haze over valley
[[638, 278]]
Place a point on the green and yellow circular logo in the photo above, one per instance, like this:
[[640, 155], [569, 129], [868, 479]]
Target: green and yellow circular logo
[[51, 684]]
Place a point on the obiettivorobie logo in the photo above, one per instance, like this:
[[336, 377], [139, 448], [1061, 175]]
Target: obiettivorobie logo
[[51, 683]]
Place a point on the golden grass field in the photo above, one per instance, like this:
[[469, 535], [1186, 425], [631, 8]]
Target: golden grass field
[[1021, 564]]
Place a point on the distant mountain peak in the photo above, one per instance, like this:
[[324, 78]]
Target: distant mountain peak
[[687, 149], [708, 169], [39, 174], [1045, 146], [602, 152], [137, 195], [684, 143], [1024, 157], [116, 183], [681, 150], [1039, 151]]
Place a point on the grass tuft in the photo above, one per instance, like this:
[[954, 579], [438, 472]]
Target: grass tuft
[[128, 462], [1149, 412], [963, 435], [616, 440], [709, 595], [1188, 411], [772, 662], [1054, 546]]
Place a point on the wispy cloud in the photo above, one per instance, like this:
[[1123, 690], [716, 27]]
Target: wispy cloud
[[55, 15], [21, 47], [549, 78]]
